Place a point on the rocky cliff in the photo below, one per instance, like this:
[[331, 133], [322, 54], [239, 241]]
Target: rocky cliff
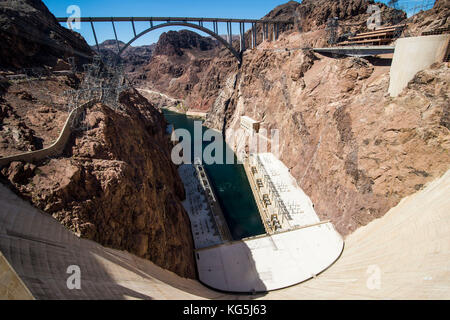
[[31, 37], [197, 77], [133, 58], [178, 60], [353, 149], [115, 182]]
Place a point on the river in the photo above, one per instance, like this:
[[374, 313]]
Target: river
[[231, 186]]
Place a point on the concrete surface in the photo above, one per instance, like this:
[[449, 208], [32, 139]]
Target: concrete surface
[[205, 232], [413, 55], [403, 255]]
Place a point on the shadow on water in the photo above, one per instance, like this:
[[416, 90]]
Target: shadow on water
[[230, 184]]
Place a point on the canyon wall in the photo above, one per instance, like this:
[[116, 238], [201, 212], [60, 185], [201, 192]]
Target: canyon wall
[[352, 148], [32, 38]]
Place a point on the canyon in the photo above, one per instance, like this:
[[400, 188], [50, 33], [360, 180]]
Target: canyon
[[353, 149]]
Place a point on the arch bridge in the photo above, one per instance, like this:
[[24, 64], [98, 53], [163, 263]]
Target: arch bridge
[[209, 26]]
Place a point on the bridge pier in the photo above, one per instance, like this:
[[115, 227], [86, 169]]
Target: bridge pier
[[274, 32], [95, 36], [253, 35], [134, 28], [242, 36]]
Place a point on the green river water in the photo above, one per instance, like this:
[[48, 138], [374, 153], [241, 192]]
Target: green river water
[[231, 186]]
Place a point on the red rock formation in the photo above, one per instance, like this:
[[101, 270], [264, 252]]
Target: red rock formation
[[178, 60], [354, 150], [114, 184], [430, 20]]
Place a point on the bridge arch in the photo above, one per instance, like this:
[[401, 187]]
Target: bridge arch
[[189, 25]]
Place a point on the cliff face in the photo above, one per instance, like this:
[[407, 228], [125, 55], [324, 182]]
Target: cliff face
[[354, 150], [115, 182], [198, 76], [313, 14], [31, 37]]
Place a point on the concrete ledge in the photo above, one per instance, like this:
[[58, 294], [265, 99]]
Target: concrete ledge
[[413, 55]]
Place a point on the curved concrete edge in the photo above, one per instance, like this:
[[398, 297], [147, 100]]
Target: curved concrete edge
[[11, 286], [272, 262], [57, 147]]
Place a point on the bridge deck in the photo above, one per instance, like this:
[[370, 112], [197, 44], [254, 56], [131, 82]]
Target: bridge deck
[[166, 19]]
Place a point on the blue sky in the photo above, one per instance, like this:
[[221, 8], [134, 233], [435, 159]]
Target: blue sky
[[252, 9]]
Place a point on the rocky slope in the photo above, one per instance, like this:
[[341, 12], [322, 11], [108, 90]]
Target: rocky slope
[[133, 58], [354, 150], [31, 37], [198, 78], [115, 182]]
